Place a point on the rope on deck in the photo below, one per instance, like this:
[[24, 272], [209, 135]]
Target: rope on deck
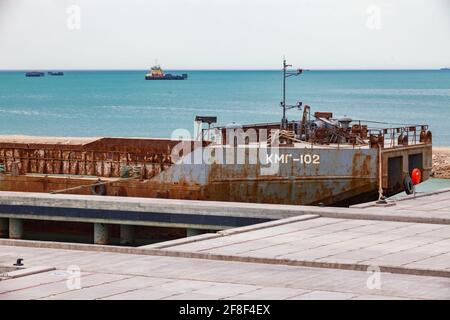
[[98, 183]]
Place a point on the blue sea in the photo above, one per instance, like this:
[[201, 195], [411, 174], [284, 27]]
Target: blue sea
[[122, 103]]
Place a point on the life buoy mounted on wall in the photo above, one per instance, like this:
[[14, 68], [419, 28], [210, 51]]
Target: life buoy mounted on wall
[[416, 176], [408, 184], [98, 189]]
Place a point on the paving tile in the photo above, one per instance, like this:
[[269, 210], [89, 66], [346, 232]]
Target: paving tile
[[141, 295], [225, 290], [31, 281], [441, 262], [190, 296], [106, 287], [378, 297], [323, 295], [269, 293], [62, 286]]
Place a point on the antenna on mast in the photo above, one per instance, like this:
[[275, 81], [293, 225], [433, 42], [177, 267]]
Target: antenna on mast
[[287, 74]]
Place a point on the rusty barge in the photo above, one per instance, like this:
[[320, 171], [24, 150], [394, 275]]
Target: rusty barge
[[306, 173], [314, 160]]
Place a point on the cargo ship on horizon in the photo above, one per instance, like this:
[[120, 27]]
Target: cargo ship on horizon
[[34, 74], [156, 73]]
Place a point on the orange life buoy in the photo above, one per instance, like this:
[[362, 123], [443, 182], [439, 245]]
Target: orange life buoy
[[416, 176]]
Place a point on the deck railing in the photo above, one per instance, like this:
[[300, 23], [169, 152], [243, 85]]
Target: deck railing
[[402, 136]]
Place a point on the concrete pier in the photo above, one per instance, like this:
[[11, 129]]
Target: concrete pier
[[397, 251], [15, 228], [101, 233], [127, 234], [205, 215], [4, 227]]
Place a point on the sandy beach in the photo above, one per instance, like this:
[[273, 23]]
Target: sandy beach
[[441, 162]]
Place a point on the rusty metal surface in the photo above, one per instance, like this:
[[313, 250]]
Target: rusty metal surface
[[341, 174], [101, 157], [44, 141], [402, 136], [337, 176], [404, 152]]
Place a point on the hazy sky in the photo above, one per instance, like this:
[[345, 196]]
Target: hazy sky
[[224, 34]]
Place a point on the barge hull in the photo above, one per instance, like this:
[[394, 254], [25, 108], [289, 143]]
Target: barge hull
[[340, 176]]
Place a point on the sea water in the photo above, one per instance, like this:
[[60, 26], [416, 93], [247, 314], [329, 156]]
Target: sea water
[[122, 103]]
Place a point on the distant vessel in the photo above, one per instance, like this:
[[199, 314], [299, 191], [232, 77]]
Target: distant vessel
[[56, 73], [35, 74], [445, 69], [156, 73]]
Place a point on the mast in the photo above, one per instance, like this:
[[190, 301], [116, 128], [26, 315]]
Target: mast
[[287, 74]]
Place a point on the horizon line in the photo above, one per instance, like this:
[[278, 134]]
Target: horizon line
[[226, 69]]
